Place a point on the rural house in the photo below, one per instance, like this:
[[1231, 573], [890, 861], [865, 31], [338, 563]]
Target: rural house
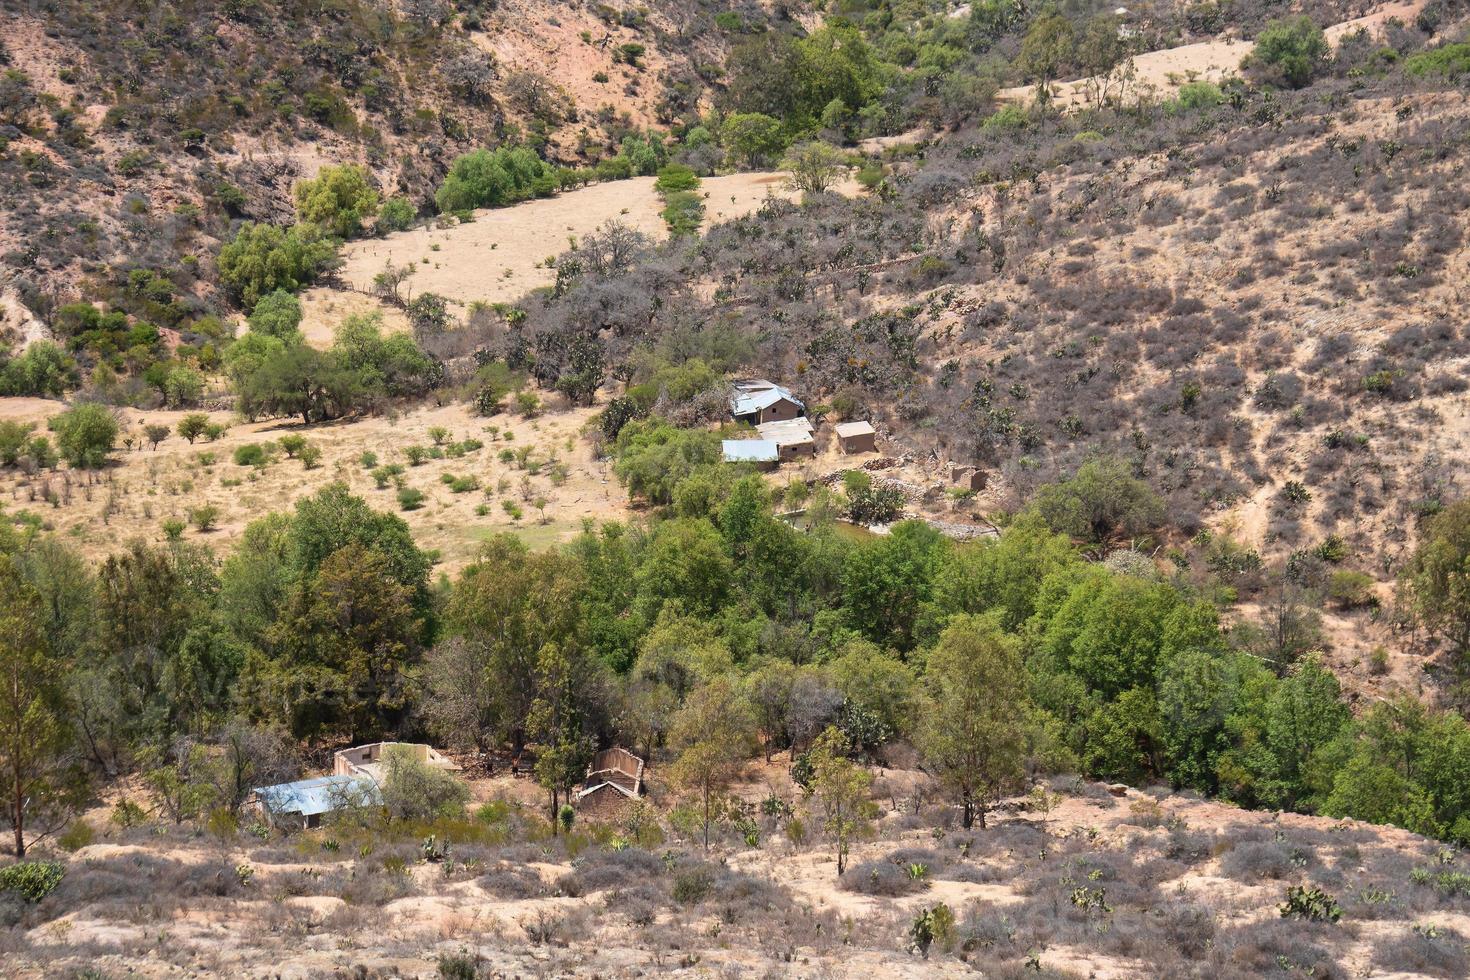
[[856, 437], [356, 781], [614, 781], [763, 401], [367, 760], [302, 804], [793, 437], [762, 452]]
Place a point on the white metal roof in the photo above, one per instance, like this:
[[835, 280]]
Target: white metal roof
[[846, 430], [750, 451]]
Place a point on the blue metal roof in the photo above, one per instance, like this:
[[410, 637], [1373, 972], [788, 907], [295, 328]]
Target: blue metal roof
[[323, 794], [750, 451]]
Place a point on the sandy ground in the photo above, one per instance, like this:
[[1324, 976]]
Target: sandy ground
[[132, 497], [1158, 74], [287, 923], [503, 253]]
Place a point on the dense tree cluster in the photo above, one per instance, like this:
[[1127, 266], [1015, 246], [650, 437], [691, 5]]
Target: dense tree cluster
[[712, 632]]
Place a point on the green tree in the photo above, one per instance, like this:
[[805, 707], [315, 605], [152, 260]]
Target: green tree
[[278, 315], [814, 166], [1304, 715], [1102, 500], [714, 733], [338, 199], [343, 650], [510, 604], [841, 790], [85, 434], [1103, 54], [976, 715], [752, 138], [1435, 584], [1048, 47], [1290, 51], [561, 720], [192, 426], [887, 583], [263, 258], [37, 765]]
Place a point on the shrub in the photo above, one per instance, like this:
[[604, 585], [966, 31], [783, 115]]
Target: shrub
[[1311, 903], [416, 455], [1198, 95], [292, 444], [461, 966], [1351, 589], [382, 475], [1102, 499], [676, 177], [77, 835], [204, 517], [1291, 51], [1449, 60], [396, 214], [416, 791], [31, 880], [338, 198], [251, 454], [883, 878], [310, 456], [410, 498], [692, 885], [368, 460]]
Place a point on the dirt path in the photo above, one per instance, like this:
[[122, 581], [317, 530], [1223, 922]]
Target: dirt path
[[503, 253], [1161, 73]]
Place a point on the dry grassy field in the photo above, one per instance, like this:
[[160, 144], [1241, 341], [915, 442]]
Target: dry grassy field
[[505, 253], [143, 488]]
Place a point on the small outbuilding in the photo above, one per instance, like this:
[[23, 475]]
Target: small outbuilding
[[757, 401], [856, 437], [614, 781], [967, 477], [762, 452], [367, 760], [793, 437], [303, 803]]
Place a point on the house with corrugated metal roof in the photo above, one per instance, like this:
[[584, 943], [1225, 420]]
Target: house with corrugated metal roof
[[304, 802], [793, 437], [356, 781], [757, 401], [763, 453]]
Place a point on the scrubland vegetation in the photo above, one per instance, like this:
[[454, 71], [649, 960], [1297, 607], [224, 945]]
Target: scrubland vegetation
[[1203, 347]]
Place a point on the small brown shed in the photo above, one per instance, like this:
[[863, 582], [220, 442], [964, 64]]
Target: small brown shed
[[614, 781], [967, 477], [856, 437]]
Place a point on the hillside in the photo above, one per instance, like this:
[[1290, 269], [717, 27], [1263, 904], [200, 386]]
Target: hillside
[[135, 134], [381, 593], [1169, 887]]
